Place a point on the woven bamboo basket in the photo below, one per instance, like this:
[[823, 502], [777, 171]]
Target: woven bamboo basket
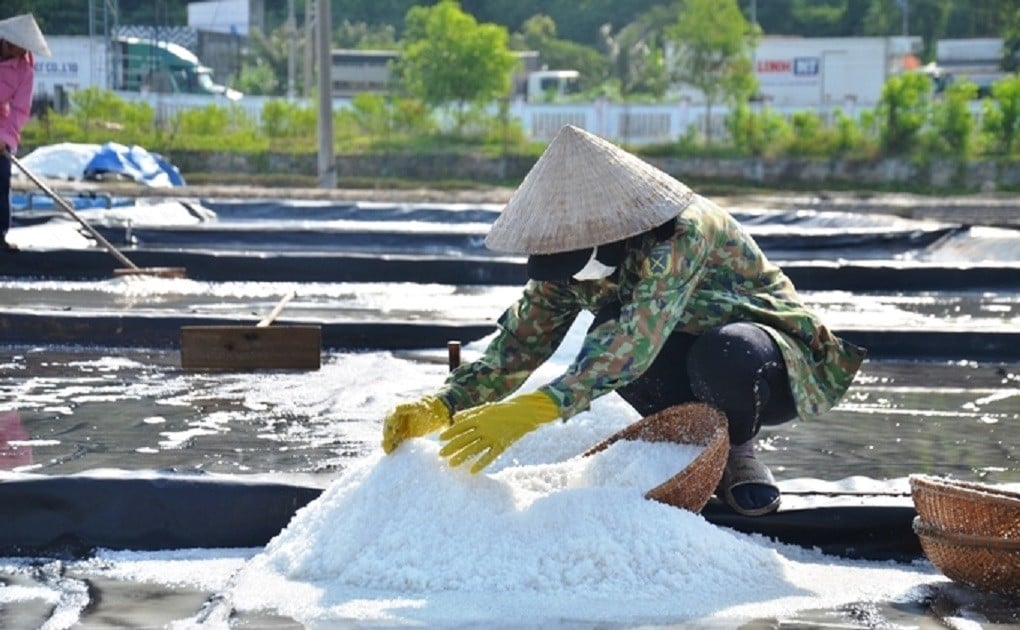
[[696, 424], [985, 562], [966, 507]]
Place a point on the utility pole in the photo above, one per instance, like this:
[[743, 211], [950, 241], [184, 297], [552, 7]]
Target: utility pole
[[327, 159]]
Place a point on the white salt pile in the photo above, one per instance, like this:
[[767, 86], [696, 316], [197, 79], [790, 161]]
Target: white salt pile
[[405, 539]]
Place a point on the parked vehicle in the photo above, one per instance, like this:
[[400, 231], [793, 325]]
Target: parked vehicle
[[547, 85], [161, 66], [826, 71], [128, 64], [356, 71], [978, 60]]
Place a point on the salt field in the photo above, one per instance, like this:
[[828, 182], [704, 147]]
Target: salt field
[[91, 388]]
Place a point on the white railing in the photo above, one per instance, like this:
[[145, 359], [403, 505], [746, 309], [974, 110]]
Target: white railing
[[634, 124]]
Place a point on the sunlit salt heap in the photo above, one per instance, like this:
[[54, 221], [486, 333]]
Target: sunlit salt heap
[[410, 523]]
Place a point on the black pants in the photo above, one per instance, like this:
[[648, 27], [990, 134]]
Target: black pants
[[5, 196], [736, 367]]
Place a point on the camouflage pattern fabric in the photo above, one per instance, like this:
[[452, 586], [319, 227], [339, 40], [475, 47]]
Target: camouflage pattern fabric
[[710, 272]]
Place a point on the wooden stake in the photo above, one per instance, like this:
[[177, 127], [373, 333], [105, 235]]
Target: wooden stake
[[453, 352]]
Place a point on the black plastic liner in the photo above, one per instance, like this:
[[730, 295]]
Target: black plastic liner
[[219, 266], [74, 515], [829, 243], [144, 331], [148, 331]]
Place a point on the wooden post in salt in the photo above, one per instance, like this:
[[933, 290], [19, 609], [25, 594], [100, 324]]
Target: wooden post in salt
[[453, 352]]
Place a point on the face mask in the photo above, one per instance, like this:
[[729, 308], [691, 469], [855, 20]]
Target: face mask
[[593, 269]]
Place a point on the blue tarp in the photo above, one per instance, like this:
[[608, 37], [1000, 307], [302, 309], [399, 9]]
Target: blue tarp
[[135, 163], [81, 161]]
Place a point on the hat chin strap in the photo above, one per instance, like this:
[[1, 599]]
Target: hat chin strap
[[593, 269]]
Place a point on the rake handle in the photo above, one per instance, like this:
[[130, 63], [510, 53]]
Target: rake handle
[[268, 319]]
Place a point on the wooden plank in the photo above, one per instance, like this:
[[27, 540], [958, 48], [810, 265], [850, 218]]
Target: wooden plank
[[251, 347], [160, 272]]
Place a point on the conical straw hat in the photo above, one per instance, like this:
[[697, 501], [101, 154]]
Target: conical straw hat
[[582, 192], [22, 31]]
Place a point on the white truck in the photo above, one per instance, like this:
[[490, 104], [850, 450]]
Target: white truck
[[548, 85], [126, 64], [976, 59], [830, 71], [78, 61]]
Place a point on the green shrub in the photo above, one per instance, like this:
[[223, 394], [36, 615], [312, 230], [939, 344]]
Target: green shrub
[[810, 136], [217, 128], [903, 111], [952, 124], [375, 120], [50, 128], [257, 79], [850, 134], [763, 133], [285, 120], [95, 116], [1001, 116]]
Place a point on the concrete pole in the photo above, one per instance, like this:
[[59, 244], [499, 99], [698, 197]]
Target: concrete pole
[[291, 43], [308, 66], [327, 158]]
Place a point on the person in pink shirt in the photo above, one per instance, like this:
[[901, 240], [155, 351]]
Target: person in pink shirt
[[20, 40]]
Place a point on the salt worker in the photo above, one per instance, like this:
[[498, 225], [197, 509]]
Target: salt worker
[[20, 40], [686, 308]]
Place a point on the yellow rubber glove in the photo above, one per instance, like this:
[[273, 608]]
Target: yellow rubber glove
[[487, 430], [410, 420]]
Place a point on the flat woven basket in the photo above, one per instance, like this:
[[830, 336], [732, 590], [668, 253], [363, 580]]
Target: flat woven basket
[[985, 562], [696, 424], [966, 507]]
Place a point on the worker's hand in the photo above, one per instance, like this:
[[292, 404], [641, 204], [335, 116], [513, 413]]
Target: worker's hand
[[486, 431], [409, 420]]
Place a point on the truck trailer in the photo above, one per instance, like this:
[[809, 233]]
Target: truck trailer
[[830, 71], [128, 64]]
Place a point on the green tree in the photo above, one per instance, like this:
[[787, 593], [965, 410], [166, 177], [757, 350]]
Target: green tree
[[714, 43], [827, 18], [446, 57], [257, 78], [1010, 20], [538, 33], [361, 35], [635, 52], [925, 19], [977, 18], [264, 66]]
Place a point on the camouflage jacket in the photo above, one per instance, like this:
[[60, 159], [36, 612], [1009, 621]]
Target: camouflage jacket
[[710, 272]]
